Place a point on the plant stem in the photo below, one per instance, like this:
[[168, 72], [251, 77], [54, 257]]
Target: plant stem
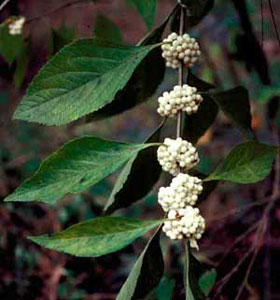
[[4, 4], [181, 72]]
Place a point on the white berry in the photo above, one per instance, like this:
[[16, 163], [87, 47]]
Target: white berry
[[177, 155], [185, 223], [15, 27], [176, 49], [183, 190], [183, 98]]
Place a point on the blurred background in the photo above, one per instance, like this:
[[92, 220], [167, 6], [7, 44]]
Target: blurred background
[[240, 47]]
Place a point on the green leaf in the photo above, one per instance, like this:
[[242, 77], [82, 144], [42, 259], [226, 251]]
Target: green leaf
[[197, 10], [106, 29], [137, 178], [208, 186], [147, 9], [11, 46], [249, 162], [191, 275], [155, 36], [21, 67], [139, 88], [165, 289], [61, 37], [81, 78], [96, 237], [73, 168], [197, 124], [143, 82], [236, 106], [146, 273], [194, 126], [201, 85], [207, 281]]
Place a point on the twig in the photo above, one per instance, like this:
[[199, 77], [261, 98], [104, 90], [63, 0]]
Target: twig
[[4, 4], [262, 227], [237, 241], [262, 22], [257, 246], [241, 209], [181, 72], [54, 281], [274, 21], [276, 189], [267, 266], [226, 278]]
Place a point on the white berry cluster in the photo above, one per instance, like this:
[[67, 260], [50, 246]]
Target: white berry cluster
[[177, 155], [177, 49], [183, 190], [185, 222], [15, 27], [183, 98]]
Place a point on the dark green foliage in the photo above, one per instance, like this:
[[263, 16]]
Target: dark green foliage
[[146, 273], [95, 71], [106, 29], [235, 104], [137, 177], [197, 124], [147, 9], [139, 88], [75, 167], [249, 162], [207, 281], [61, 37], [192, 273], [11, 46]]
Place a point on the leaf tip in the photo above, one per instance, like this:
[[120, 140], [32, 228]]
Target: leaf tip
[[8, 199], [37, 239]]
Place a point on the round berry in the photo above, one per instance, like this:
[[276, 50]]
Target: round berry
[[177, 49], [177, 155], [183, 190], [185, 223], [181, 98]]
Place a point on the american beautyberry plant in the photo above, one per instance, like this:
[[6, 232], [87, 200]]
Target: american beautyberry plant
[[101, 78]]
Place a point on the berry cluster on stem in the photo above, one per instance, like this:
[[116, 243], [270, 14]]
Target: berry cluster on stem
[[15, 26], [178, 156]]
